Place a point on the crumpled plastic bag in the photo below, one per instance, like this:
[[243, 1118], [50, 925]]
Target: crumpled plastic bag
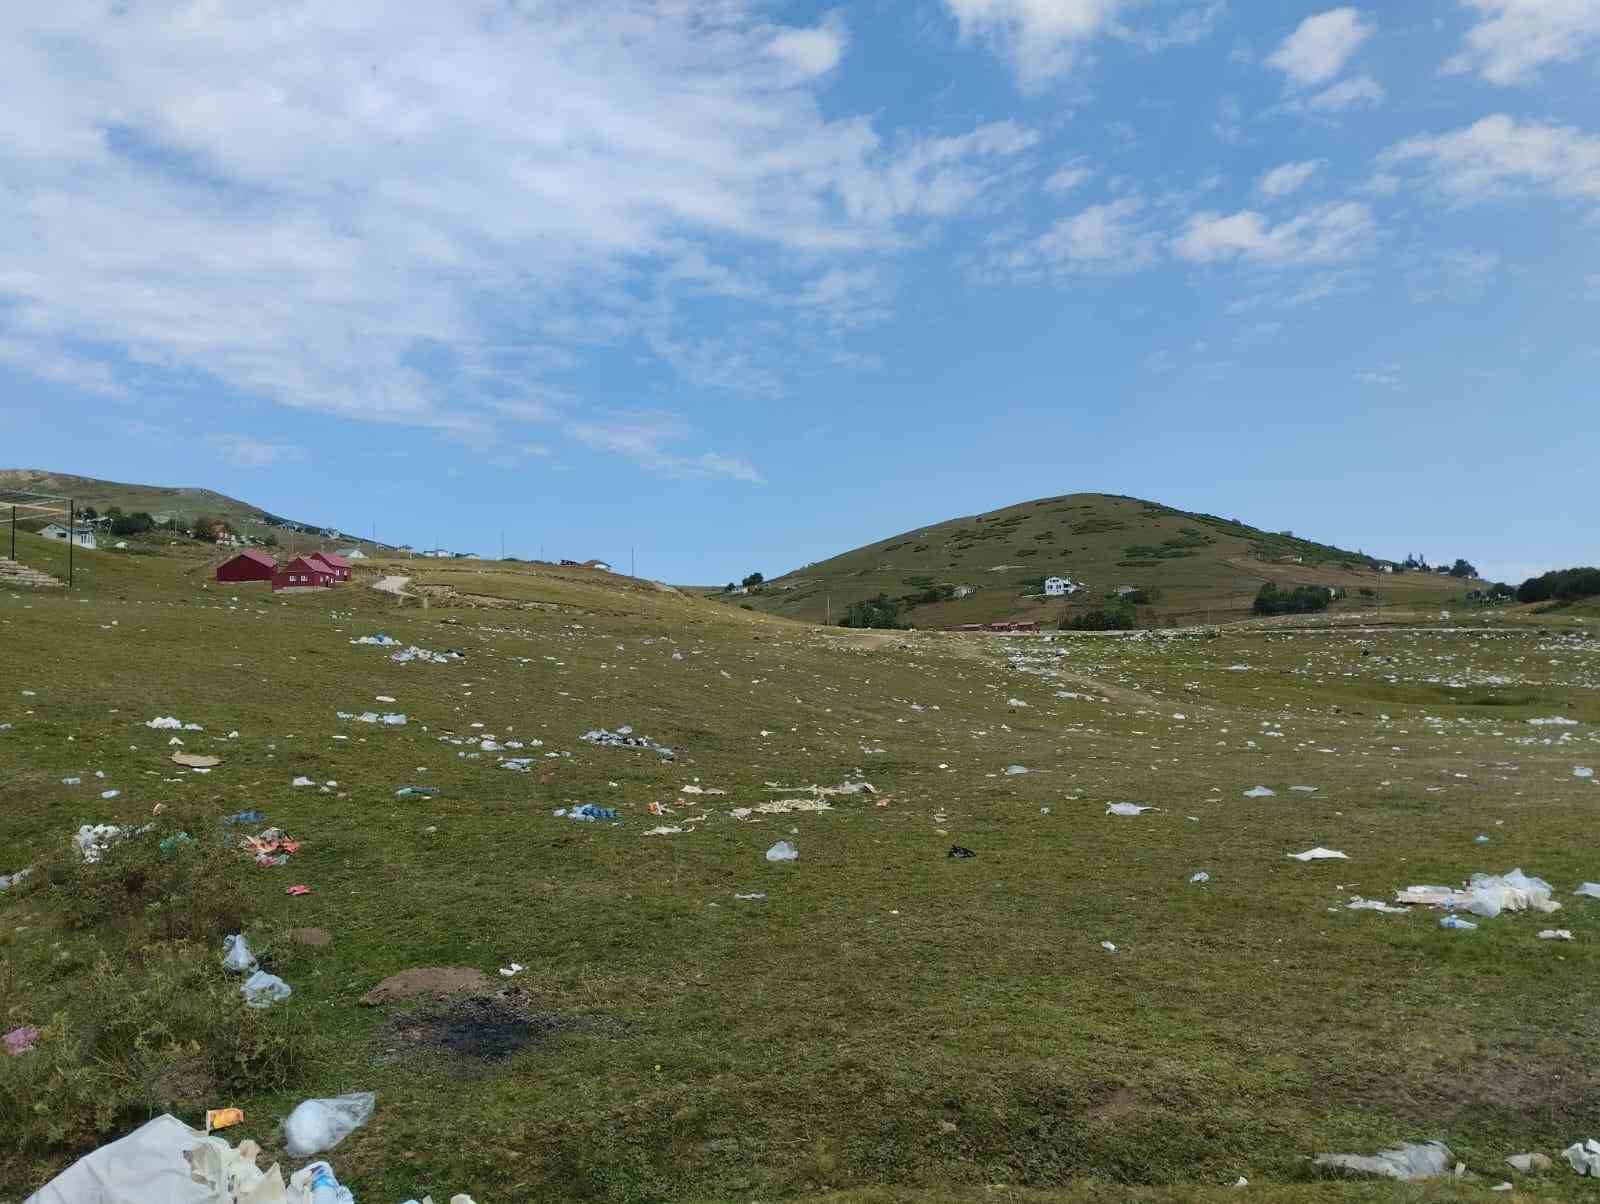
[[783, 851], [236, 955], [1584, 1157], [262, 990], [320, 1124], [1407, 1161], [1493, 893]]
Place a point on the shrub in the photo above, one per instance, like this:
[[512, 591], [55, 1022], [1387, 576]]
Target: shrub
[[136, 523], [882, 611], [1104, 619], [1562, 585], [1302, 599]]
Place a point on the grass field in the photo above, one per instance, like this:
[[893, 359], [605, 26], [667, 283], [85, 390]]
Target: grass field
[[888, 1023], [1203, 567]]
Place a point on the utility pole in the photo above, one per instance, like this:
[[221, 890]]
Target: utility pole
[[72, 536], [830, 610], [502, 545], [633, 565]]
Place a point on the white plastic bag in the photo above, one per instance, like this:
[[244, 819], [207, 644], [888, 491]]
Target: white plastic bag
[[1407, 1161], [262, 990], [783, 851], [320, 1124], [236, 955]]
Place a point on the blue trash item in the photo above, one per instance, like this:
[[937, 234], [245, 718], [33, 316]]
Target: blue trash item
[[417, 792], [591, 814], [1456, 922], [246, 817]]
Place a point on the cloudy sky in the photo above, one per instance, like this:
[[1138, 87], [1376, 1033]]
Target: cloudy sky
[[744, 283]]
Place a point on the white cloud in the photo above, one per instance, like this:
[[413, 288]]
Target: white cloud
[[645, 436], [1450, 274], [1387, 380], [1514, 38], [1326, 234], [1357, 92], [1069, 177], [1041, 39], [1320, 46], [1288, 178], [1185, 29], [411, 213], [1106, 238], [49, 362], [242, 451], [1499, 155]]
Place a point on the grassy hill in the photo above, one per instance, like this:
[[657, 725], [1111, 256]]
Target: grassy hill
[[694, 1023], [1199, 565], [166, 501]]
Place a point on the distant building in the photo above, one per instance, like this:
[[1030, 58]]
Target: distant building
[[336, 565], [248, 565], [353, 554], [303, 573], [1124, 590], [81, 536], [1386, 568], [597, 564], [1058, 587]]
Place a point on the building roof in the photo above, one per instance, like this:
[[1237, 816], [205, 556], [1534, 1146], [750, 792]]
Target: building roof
[[305, 564], [251, 554], [338, 562]]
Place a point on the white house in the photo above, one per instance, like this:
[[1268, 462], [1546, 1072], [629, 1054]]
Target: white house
[[1056, 587], [353, 554], [81, 536]]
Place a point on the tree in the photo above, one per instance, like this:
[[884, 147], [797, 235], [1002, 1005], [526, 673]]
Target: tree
[[89, 512], [136, 523], [882, 611], [1302, 599], [729, 588], [209, 528], [752, 579], [1462, 569], [1110, 618]]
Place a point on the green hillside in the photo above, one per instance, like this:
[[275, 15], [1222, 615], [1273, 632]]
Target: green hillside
[[1191, 565]]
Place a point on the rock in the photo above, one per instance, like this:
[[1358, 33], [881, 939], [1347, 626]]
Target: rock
[[435, 982]]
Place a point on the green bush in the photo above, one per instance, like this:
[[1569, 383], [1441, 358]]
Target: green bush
[[1563, 585], [1109, 618], [1302, 599], [882, 611]]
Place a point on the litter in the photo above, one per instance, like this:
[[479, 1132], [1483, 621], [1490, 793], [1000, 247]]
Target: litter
[[20, 1040], [1260, 792], [1529, 1162], [783, 851], [298, 891], [1589, 890], [1126, 809], [1582, 771], [108, 794], [1108, 946], [751, 896], [302, 781], [236, 955], [1556, 934], [1199, 879], [1584, 1157], [262, 990], [1408, 1161], [321, 1124], [1480, 838], [960, 854], [1487, 895], [664, 830], [7, 881], [390, 719], [512, 970], [1456, 922], [1013, 770], [781, 807], [94, 839], [223, 1118], [383, 641], [195, 760], [413, 653], [589, 813], [417, 792], [1553, 721], [1357, 903], [72, 781], [623, 737], [172, 723], [246, 817], [1319, 854], [1016, 702]]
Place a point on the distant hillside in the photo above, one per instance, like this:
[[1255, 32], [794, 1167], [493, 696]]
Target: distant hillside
[[165, 501], [1193, 564]]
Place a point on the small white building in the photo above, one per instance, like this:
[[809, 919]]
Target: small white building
[[353, 554], [1386, 568], [1057, 587], [81, 536]]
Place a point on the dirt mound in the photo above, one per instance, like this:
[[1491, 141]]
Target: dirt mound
[[438, 982], [316, 938]]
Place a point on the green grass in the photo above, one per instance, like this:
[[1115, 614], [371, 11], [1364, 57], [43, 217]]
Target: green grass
[[889, 1025]]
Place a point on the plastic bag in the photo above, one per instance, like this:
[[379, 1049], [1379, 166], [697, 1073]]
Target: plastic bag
[[320, 1124], [262, 990], [1408, 1161], [1491, 894], [783, 851], [236, 955]]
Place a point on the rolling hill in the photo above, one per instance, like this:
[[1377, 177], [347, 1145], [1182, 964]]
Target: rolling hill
[[1192, 565]]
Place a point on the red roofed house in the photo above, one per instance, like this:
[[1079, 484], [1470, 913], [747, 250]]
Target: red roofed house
[[249, 565], [303, 573], [337, 565]]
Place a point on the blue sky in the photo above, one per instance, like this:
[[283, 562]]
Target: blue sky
[[743, 284]]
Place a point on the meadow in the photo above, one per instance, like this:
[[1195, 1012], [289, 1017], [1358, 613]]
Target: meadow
[[885, 1022]]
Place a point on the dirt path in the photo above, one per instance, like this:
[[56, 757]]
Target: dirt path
[[393, 585]]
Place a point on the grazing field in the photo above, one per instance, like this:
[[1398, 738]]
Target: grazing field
[[885, 1022]]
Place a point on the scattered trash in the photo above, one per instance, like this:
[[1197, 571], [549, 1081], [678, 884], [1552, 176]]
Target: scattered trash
[[321, 1124], [1456, 922], [960, 854], [1584, 1157], [1016, 702], [1108, 946], [1556, 934], [1589, 890], [1487, 895], [1260, 792], [664, 830], [72, 781], [223, 1118], [298, 890], [589, 813], [1199, 879], [20, 1040], [1126, 809], [246, 817], [1529, 1162], [1553, 721], [1319, 854], [1408, 1161], [262, 990], [751, 896], [623, 737], [195, 760], [512, 970], [413, 653], [783, 851], [171, 844], [417, 792], [236, 955], [383, 641], [172, 723], [1357, 903], [781, 806], [108, 794], [1013, 770], [1582, 771], [1480, 838], [94, 839], [7, 881], [302, 781]]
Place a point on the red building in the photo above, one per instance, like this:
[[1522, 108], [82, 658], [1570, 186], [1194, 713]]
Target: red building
[[336, 565], [303, 573], [249, 565]]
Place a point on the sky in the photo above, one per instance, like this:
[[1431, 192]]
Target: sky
[[715, 286]]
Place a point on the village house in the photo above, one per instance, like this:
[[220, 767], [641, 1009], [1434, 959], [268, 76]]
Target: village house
[[1059, 587], [336, 565], [249, 565], [353, 554], [81, 536], [303, 573]]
